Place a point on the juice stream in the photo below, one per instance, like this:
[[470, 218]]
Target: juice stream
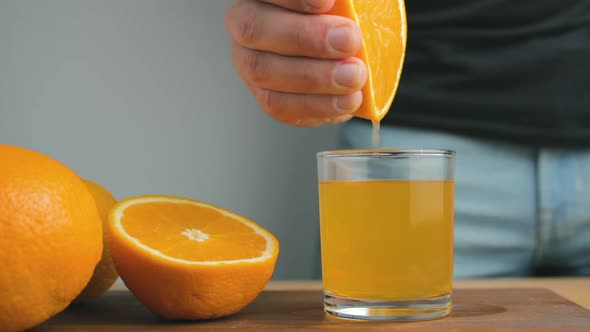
[[376, 127]]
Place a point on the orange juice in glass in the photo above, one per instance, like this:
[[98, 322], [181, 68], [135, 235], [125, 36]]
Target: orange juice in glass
[[386, 221]]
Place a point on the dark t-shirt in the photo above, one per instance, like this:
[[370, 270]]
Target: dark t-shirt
[[504, 69]]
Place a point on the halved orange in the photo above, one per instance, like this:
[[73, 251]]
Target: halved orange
[[186, 259], [384, 28]]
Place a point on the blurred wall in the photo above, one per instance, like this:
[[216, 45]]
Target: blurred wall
[[141, 96]]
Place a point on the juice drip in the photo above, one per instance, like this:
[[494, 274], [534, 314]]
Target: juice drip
[[376, 126]]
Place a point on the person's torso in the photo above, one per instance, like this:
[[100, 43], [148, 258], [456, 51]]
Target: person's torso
[[513, 70]]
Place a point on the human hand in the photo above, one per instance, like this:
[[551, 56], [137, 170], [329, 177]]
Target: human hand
[[300, 67]]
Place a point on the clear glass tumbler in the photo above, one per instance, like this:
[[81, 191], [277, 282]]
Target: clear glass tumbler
[[386, 221]]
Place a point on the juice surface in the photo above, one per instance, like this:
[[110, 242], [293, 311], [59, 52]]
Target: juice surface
[[387, 239]]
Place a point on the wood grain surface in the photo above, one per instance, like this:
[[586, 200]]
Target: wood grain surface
[[575, 289], [478, 310]]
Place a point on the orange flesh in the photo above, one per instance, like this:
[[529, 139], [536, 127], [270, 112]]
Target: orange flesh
[[383, 24], [192, 233]]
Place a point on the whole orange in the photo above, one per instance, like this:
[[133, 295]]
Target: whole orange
[[105, 273], [50, 237]]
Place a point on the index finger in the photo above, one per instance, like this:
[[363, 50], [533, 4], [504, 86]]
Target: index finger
[[303, 6]]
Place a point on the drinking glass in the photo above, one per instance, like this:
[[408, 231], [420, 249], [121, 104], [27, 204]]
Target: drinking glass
[[386, 222]]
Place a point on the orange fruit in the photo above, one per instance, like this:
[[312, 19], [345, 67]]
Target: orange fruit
[[50, 237], [384, 28], [105, 274], [185, 259]]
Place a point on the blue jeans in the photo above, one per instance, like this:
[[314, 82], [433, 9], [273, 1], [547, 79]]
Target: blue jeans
[[519, 211]]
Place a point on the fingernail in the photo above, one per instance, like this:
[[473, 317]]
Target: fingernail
[[314, 5], [348, 75], [349, 103], [342, 39]]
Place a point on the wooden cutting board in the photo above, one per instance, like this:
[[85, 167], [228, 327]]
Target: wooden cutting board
[[475, 310]]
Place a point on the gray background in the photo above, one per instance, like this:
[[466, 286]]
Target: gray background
[[141, 96]]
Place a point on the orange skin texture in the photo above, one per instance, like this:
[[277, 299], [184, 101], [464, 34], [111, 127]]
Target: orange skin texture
[[51, 237], [105, 273]]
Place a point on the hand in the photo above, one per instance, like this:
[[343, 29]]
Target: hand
[[300, 67]]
